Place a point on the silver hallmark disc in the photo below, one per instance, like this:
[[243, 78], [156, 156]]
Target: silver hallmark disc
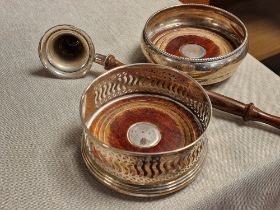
[[144, 135], [193, 51]]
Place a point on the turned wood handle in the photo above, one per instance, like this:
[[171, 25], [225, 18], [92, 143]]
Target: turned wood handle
[[221, 102], [111, 62], [247, 111]]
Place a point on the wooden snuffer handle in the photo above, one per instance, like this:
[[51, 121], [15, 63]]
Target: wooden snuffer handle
[[111, 62], [246, 111], [223, 103]]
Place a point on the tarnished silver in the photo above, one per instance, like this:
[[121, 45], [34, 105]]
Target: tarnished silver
[[217, 25]]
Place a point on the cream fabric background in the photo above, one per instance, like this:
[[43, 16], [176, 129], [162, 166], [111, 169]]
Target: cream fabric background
[[40, 161]]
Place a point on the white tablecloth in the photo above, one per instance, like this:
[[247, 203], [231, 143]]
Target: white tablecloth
[[40, 160]]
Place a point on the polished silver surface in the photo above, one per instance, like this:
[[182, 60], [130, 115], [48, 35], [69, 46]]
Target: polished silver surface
[[141, 173], [100, 59], [66, 51], [219, 27]]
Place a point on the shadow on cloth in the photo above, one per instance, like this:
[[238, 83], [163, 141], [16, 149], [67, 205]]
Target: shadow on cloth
[[42, 72], [137, 56], [75, 135]]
